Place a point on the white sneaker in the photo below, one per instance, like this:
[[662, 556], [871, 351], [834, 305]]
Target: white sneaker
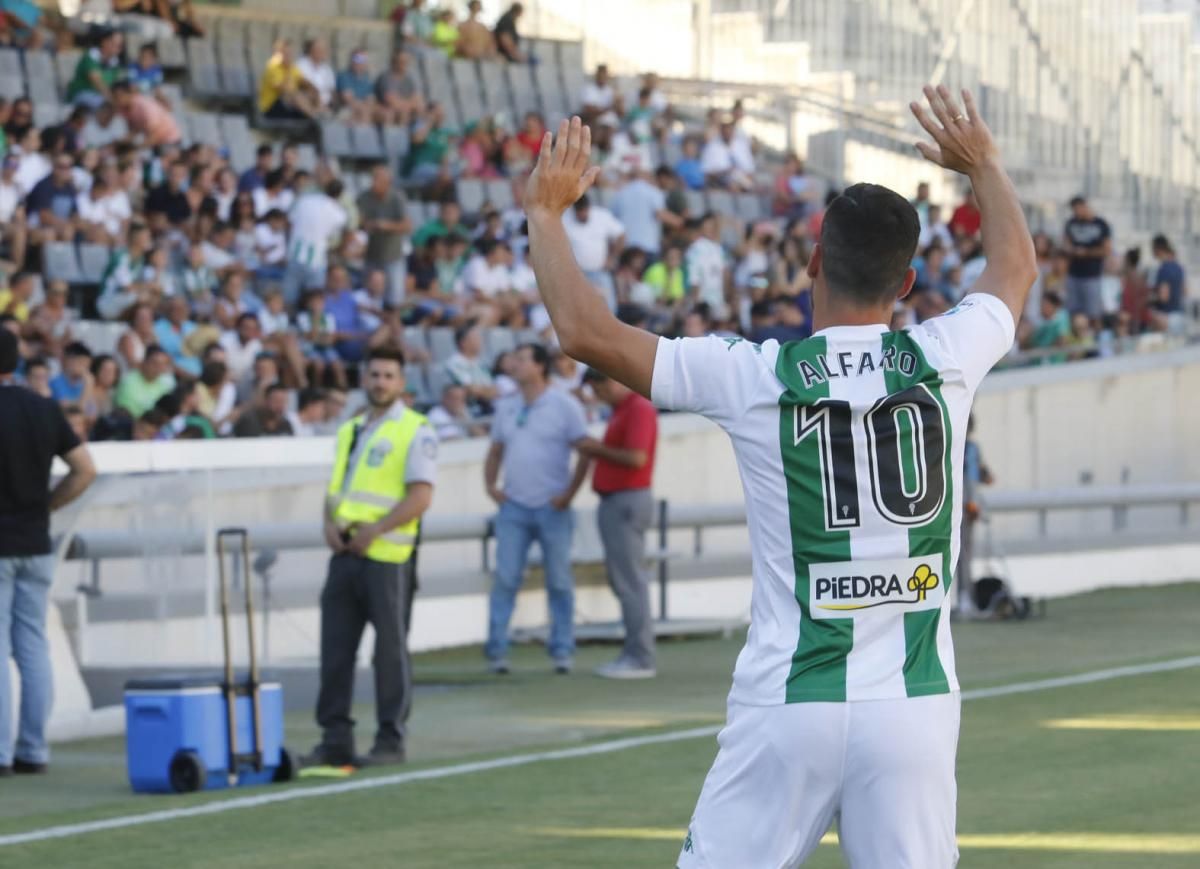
[[623, 668], [499, 667], [563, 665]]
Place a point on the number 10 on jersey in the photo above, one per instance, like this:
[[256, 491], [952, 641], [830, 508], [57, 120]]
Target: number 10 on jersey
[[906, 451]]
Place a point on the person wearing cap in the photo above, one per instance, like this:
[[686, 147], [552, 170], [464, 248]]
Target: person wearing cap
[[356, 91], [34, 432], [624, 471]]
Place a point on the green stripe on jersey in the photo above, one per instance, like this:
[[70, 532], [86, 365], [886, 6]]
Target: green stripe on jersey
[[818, 671], [923, 671]]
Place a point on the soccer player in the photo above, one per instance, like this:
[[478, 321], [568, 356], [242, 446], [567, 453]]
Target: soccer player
[[850, 448]]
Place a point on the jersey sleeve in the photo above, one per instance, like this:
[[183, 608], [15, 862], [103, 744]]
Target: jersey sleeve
[[421, 464], [976, 333], [713, 376]]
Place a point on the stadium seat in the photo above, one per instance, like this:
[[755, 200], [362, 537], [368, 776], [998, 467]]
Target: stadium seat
[[306, 157], [48, 113], [414, 377], [335, 139], [471, 195], [59, 263], [441, 343], [65, 61], [39, 72], [366, 142], [415, 338], [747, 207], [549, 90], [499, 193], [521, 88], [570, 56], [439, 379], [360, 9], [206, 81], [12, 79], [695, 202], [171, 54], [497, 340], [722, 202], [236, 82], [202, 128], [470, 95], [174, 95], [395, 142], [93, 260], [435, 69]]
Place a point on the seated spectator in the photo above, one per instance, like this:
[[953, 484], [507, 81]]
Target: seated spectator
[[273, 194], [431, 142], [147, 426], [13, 226], [502, 374], [131, 346], [198, 282], [233, 301], [477, 151], [725, 165], [312, 412], [37, 376], [102, 129], [795, 191], [225, 193], [98, 400], [689, 168], [445, 32], [935, 229], [283, 93], [145, 75], [18, 121], [667, 278], [707, 267], [417, 26], [508, 41], [218, 251], [475, 41], [146, 117], [426, 302], [170, 198], [144, 385], [1055, 328], [50, 323], [124, 282], [356, 91], [242, 345], [171, 331], [488, 285], [1166, 294], [267, 418], [315, 68], [318, 334], [351, 335], [256, 175], [447, 223], [630, 287], [69, 386], [597, 96], [521, 150], [14, 300], [452, 418], [466, 367], [99, 68], [641, 207], [270, 243], [398, 93], [96, 224], [216, 396], [372, 302], [596, 236], [51, 204], [33, 165], [640, 117]]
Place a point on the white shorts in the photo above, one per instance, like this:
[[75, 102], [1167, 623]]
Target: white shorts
[[883, 768]]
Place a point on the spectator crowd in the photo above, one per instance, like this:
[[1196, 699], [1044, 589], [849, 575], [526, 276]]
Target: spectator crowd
[[248, 295]]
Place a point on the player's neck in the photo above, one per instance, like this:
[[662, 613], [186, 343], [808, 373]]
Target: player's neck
[[833, 314]]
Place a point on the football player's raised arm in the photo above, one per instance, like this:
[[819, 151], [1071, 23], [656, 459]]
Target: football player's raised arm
[[963, 143], [586, 329]]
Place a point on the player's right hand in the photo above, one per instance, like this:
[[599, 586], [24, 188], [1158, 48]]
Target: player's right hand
[[962, 141], [562, 174]]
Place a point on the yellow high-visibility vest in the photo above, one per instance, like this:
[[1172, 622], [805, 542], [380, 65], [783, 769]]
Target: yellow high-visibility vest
[[369, 482]]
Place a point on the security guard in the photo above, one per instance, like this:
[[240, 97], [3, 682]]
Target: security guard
[[382, 483]]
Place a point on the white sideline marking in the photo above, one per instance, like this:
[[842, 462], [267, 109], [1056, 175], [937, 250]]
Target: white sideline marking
[[65, 831]]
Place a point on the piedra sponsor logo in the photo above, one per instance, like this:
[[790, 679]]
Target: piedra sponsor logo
[[844, 589]]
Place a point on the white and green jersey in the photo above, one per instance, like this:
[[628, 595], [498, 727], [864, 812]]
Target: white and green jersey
[[850, 449]]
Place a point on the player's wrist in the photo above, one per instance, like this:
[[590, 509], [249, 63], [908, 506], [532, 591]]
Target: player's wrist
[[987, 166]]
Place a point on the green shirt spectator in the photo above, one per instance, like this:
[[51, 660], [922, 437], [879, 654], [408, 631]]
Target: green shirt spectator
[[140, 388], [97, 71], [669, 283], [447, 223]]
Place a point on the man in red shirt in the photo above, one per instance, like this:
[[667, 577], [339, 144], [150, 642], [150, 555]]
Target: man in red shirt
[[966, 219], [624, 470]]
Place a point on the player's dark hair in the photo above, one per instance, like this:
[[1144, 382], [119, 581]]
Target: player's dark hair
[[868, 237], [387, 352]]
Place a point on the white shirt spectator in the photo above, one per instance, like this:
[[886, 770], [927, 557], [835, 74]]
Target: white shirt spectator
[[743, 153], [239, 357], [940, 232], [596, 96], [590, 241], [521, 278], [448, 428], [321, 76], [316, 219], [97, 136], [272, 323], [33, 168], [264, 201], [108, 211], [10, 198], [468, 372], [481, 277], [717, 157], [705, 263], [216, 258], [367, 306], [272, 245]]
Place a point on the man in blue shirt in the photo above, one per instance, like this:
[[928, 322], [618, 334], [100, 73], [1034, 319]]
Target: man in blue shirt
[[351, 343], [533, 436], [256, 176], [69, 385], [1166, 298]]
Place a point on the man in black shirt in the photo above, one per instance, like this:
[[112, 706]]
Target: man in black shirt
[[1087, 240], [169, 197], [34, 431], [508, 42]]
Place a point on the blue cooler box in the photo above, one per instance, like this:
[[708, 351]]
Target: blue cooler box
[[181, 721]]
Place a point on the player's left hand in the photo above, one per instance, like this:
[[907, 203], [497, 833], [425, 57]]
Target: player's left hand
[[562, 174]]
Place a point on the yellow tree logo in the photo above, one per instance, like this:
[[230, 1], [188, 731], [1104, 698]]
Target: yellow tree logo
[[923, 581]]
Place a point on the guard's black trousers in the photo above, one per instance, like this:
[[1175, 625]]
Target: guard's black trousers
[[358, 591]]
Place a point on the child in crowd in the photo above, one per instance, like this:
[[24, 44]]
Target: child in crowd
[[318, 333]]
